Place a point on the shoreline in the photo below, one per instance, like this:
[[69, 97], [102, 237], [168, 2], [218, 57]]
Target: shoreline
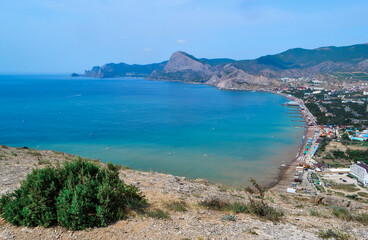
[[286, 175]]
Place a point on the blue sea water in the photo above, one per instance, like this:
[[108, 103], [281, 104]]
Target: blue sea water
[[190, 130]]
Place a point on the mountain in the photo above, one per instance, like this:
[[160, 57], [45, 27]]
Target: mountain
[[112, 70], [244, 74], [300, 62]]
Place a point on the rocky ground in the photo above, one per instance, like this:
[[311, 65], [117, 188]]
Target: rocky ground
[[303, 218]]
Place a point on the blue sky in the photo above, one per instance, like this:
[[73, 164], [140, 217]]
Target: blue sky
[[63, 36]]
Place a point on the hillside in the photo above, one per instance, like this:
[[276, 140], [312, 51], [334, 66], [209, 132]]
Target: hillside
[[112, 70], [191, 209], [262, 72]]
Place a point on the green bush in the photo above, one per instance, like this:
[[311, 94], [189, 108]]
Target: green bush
[[339, 154], [77, 195]]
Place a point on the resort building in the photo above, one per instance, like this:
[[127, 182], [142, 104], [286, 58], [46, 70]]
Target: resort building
[[360, 170]]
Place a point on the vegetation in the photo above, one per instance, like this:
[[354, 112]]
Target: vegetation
[[158, 214], [216, 204], [177, 206], [228, 217], [351, 75], [347, 188], [363, 194], [322, 146], [352, 155], [315, 213], [265, 211], [77, 195], [252, 232], [358, 155], [354, 196], [341, 113], [331, 234], [344, 214], [257, 205]]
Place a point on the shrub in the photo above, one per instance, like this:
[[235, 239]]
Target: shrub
[[331, 234], [177, 206], [252, 232], [215, 204], [363, 218], [342, 213], [315, 213], [259, 207], [228, 217], [256, 207], [354, 196], [239, 208], [264, 211], [77, 195], [347, 216], [339, 154], [158, 214]]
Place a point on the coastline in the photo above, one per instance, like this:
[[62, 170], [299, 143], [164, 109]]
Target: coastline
[[287, 173]]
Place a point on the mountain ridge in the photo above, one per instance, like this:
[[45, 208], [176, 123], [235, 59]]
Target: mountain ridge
[[244, 74]]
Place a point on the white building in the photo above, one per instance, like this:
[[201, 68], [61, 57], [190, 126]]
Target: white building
[[360, 170]]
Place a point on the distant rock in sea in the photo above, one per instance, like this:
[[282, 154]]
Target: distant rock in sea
[[75, 75]]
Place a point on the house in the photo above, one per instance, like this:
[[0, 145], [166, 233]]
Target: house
[[320, 167], [360, 170]]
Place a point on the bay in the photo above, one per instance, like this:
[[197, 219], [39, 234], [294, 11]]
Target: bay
[[189, 130]]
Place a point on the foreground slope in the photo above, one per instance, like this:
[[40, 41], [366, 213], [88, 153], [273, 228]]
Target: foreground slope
[[302, 219]]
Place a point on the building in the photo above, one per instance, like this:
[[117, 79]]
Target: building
[[360, 170]]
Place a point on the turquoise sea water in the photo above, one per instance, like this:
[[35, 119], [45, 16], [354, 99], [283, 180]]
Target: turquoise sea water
[[191, 130]]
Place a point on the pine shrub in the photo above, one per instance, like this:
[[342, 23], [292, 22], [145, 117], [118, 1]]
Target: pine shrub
[[77, 195]]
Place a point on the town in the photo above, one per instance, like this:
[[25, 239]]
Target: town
[[334, 156]]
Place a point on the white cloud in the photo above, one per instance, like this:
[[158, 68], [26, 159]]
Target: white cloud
[[181, 41], [147, 49]]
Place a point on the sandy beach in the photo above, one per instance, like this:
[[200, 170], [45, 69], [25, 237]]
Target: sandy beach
[[287, 173]]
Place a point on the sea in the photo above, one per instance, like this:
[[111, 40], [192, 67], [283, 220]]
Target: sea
[[190, 130]]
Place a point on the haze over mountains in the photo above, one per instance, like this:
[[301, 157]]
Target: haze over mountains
[[243, 74]]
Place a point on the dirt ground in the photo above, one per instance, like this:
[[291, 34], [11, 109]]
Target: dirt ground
[[197, 222]]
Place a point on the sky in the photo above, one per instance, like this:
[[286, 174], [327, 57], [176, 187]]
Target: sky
[[64, 36]]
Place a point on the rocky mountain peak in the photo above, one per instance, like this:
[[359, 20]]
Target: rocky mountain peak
[[181, 61]]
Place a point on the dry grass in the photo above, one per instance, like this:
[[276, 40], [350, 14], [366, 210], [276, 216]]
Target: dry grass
[[177, 206], [347, 188]]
